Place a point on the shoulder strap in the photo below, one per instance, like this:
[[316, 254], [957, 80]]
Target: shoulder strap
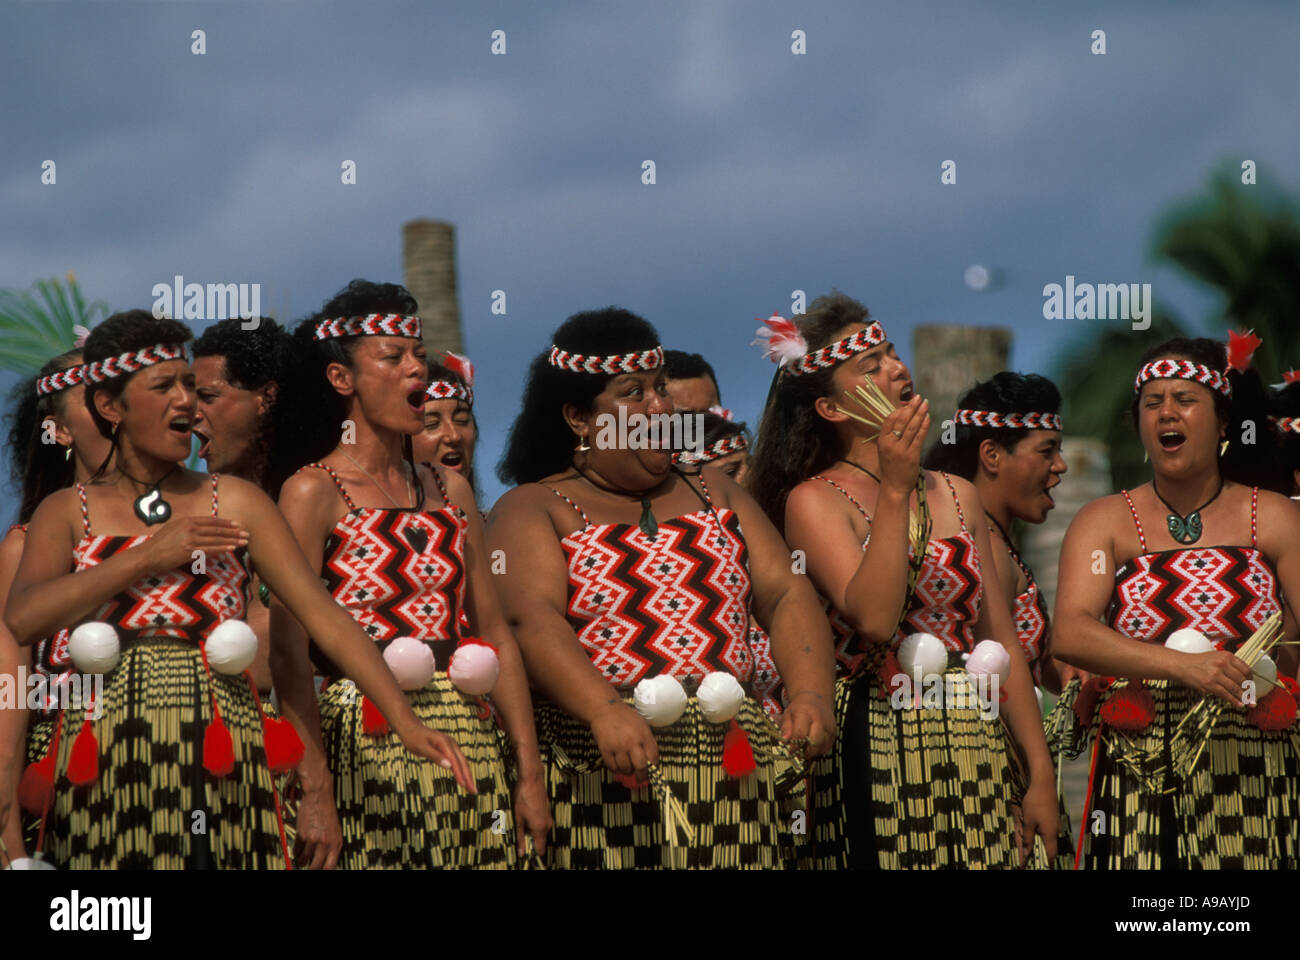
[[848, 496], [85, 511], [585, 522], [214, 493], [1136, 522], [1254, 505], [337, 482], [961, 517], [442, 487]]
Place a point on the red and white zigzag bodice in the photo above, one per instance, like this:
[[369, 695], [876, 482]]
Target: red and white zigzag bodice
[[677, 604], [1226, 592], [179, 603], [399, 572], [946, 600]]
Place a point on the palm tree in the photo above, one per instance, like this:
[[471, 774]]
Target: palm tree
[[37, 325], [1243, 241]]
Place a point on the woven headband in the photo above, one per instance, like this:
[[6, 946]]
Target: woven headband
[[615, 363], [371, 325], [1013, 421], [133, 361], [61, 380], [1183, 370], [871, 335], [1286, 424], [449, 390], [713, 451]]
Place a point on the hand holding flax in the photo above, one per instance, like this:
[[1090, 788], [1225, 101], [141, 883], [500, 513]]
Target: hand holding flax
[[902, 438], [1217, 673]]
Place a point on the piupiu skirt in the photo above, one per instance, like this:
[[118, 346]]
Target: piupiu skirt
[[398, 810], [1239, 808], [153, 805], [739, 823], [912, 788]]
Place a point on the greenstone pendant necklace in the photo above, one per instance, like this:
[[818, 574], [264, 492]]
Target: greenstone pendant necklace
[[1186, 529]]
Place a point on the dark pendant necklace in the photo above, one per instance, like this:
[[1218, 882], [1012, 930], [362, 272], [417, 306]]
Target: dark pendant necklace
[[649, 526], [150, 506], [863, 469], [1185, 529]]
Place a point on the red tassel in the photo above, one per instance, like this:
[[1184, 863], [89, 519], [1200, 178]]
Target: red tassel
[[1275, 711], [283, 746], [629, 780], [372, 721], [1085, 704], [218, 749], [36, 789], [83, 765], [1130, 708], [737, 754], [1241, 346]]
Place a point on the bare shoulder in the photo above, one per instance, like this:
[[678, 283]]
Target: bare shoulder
[[11, 547], [1277, 517], [457, 487], [308, 485]]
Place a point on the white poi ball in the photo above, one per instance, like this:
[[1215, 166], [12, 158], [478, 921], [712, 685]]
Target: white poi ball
[[720, 696], [1264, 673], [989, 658], [922, 653], [660, 700], [474, 669], [232, 647], [94, 647], [30, 863], [1188, 640], [411, 661]]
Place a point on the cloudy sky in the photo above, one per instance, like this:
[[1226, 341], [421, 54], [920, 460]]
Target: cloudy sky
[[774, 171]]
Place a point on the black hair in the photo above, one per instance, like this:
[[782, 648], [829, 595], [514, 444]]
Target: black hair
[[253, 359], [1004, 392], [318, 432], [38, 468], [438, 371], [1286, 403], [540, 441], [1254, 464], [124, 332], [794, 442], [680, 365]]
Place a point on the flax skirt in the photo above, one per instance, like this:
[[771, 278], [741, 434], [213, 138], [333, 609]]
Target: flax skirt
[[141, 811], [911, 788], [1239, 809], [398, 810], [601, 824]]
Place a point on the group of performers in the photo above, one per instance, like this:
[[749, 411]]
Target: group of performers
[[322, 654]]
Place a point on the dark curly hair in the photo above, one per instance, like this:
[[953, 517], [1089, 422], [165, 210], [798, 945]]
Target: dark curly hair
[[1286, 403], [794, 442], [680, 365], [1004, 392], [254, 358], [37, 468], [438, 371], [1253, 465], [540, 441], [318, 432], [122, 332]]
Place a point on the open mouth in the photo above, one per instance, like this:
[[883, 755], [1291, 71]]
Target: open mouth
[[452, 460], [906, 393], [416, 397], [1047, 492], [204, 441], [181, 425], [1171, 439]]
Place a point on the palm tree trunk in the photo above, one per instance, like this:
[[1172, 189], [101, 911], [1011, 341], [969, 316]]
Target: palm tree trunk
[[949, 359], [429, 270]]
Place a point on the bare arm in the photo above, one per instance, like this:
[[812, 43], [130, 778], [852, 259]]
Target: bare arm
[[786, 605], [13, 722]]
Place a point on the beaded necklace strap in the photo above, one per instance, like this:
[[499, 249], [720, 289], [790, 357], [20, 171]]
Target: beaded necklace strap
[[582, 513], [1183, 370], [337, 483], [612, 364], [61, 380], [1142, 539], [961, 517], [133, 361], [853, 500], [1013, 421]]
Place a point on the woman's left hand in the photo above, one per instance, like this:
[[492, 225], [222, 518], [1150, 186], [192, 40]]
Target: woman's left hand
[[809, 717], [1040, 815], [532, 815]]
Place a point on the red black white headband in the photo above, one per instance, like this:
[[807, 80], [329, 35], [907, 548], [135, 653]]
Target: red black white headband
[[1183, 370], [61, 380], [133, 361], [450, 389], [713, 451], [371, 325], [785, 345], [1012, 421], [1286, 424], [615, 363]]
